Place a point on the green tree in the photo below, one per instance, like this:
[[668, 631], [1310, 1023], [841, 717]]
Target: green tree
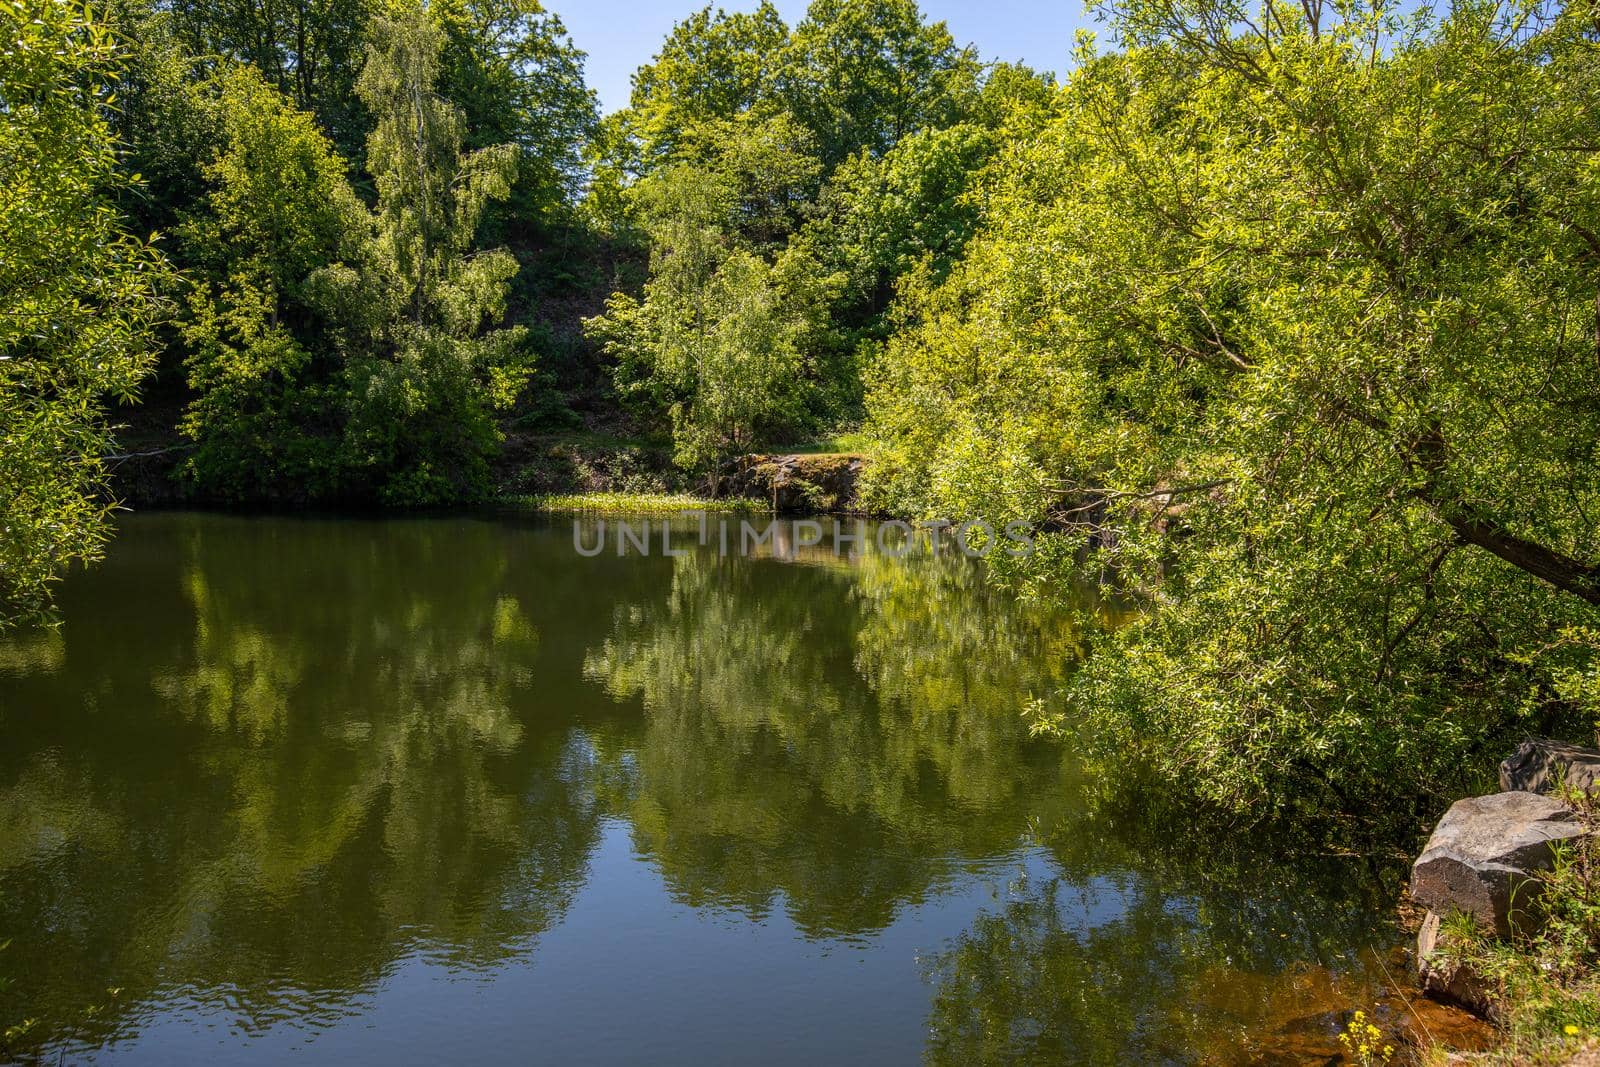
[[711, 67], [166, 124], [278, 209], [78, 297], [720, 339], [879, 221], [309, 49], [861, 74], [424, 372], [767, 163], [517, 78], [1316, 293]]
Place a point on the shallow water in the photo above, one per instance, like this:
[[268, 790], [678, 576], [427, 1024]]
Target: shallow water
[[411, 790]]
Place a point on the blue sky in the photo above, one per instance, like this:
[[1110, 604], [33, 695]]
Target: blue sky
[[619, 35]]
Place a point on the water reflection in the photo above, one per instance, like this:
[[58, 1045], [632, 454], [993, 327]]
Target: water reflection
[[843, 747], [291, 772]]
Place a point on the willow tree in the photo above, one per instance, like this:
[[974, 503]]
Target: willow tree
[[413, 316], [77, 297], [1298, 307]]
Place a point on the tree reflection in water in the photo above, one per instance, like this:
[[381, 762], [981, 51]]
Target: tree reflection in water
[[267, 761]]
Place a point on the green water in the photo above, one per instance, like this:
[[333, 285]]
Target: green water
[[444, 790]]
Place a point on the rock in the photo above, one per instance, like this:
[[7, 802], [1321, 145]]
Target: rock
[[1538, 763], [799, 483], [1484, 853], [1445, 979]]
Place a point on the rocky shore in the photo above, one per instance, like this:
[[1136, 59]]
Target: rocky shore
[[1484, 860]]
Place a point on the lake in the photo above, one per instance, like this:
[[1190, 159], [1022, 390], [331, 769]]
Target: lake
[[444, 789]]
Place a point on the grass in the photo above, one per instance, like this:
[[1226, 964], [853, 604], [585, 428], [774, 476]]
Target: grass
[[631, 503]]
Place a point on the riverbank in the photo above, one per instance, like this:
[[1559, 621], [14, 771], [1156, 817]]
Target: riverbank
[[569, 472], [610, 503], [1511, 884]]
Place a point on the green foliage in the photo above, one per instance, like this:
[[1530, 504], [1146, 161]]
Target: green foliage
[[722, 349], [768, 166], [634, 503], [719, 339], [278, 208], [862, 74], [310, 50], [880, 221], [336, 351], [712, 67], [78, 297], [423, 373], [745, 360], [854, 76], [517, 78], [881, 217], [167, 129], [1292, 331], [838, 157]]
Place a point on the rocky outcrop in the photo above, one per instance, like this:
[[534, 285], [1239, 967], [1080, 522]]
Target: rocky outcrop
[[1539, 763], [796, 483], [1485, 852]]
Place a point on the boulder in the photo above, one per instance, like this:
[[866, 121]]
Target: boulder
[[1484, 853], [1447, 979], [1538, 763]]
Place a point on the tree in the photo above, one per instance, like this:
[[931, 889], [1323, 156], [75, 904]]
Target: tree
[[309, 49], [165, 124], [880, 220], [720, 339], [744, 364], [424, 375], [78, 297], [278, 209], [1316, 293], [861, 74], [713, 67], [517, 78]]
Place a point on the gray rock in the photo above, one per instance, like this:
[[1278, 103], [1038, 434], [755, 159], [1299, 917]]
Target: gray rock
[[1484, 853], [1538, 763], [1447, 979]]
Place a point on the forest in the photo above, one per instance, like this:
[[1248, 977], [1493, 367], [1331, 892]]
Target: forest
[[1277, 321], [1283, 319]]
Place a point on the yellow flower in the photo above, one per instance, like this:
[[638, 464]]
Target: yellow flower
[[1570, 1030]]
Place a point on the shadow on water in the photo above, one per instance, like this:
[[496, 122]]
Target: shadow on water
[[409, 783]]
